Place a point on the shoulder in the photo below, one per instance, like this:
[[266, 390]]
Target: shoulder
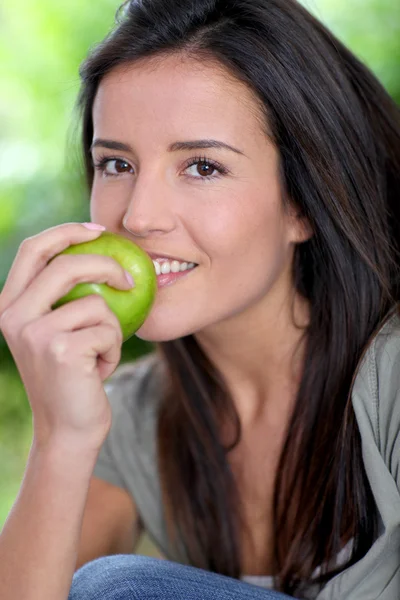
[[134, 371], [376, 391], [128, 455]]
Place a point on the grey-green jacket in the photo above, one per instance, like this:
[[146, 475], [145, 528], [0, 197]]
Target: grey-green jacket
[[128, 459]]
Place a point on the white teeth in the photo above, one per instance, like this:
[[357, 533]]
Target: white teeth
[[173, 266]]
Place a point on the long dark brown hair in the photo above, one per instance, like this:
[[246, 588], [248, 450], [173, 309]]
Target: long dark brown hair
[[338, 135]]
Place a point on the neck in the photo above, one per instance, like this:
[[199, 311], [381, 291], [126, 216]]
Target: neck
[[260, 356]]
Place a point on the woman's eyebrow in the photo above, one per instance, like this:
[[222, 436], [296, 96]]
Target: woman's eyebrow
[[111, 145], [200, 144], [176, 146]]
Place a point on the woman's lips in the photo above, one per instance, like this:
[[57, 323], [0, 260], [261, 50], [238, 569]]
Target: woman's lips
[[168, 279]]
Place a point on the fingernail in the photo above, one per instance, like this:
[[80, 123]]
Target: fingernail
[[94, 226], [129, 279]]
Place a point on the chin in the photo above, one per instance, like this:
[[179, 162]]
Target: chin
[[156, 332]]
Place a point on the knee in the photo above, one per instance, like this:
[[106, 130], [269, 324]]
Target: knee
[[112, 577]]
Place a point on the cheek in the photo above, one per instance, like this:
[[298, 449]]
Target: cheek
[[108, 205], [242, 231], [243, 254]]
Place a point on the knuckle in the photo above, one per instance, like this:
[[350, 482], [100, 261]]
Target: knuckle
[[107, 262], [115, 337], [33, 247], [97, 303], [101, 305], [6, 320], [118, 331], [26, 243], [27, 246], [58, 348], [69, 264], [29, 335], [114, 321], [59, 260]]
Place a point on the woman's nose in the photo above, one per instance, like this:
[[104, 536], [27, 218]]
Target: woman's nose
[[150, 211]]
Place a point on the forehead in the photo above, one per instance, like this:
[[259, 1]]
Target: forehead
[[176, 93]]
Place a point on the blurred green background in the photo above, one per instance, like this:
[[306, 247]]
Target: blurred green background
[[42, 44]]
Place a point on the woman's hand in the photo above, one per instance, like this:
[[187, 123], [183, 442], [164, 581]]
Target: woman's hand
[[63, 355]]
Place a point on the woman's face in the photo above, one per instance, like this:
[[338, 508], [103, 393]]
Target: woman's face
[[217, 207]]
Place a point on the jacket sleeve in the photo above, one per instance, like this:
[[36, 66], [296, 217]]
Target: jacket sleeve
[[125, 390], [387, 366]]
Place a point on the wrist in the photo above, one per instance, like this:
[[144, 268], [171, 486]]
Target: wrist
[[74, 443], [66, 448]]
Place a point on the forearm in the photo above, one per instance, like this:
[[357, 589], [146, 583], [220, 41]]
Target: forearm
[[39, 541]]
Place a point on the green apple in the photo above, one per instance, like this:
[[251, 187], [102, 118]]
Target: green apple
[[131, 307]]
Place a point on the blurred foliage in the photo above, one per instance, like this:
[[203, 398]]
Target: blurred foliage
[[371, 29], [42, 44]]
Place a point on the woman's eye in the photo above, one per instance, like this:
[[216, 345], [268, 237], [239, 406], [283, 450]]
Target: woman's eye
[[205, 169], [197, 168], [112, 167]]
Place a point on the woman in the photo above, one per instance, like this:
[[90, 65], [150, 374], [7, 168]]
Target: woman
[[258, 162]]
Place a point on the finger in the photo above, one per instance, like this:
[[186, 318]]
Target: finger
[[80, 314], [61, 276], [35, 252], [92, 349]]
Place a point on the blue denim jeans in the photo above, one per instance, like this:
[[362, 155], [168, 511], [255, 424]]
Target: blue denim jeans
[[134, 577]]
